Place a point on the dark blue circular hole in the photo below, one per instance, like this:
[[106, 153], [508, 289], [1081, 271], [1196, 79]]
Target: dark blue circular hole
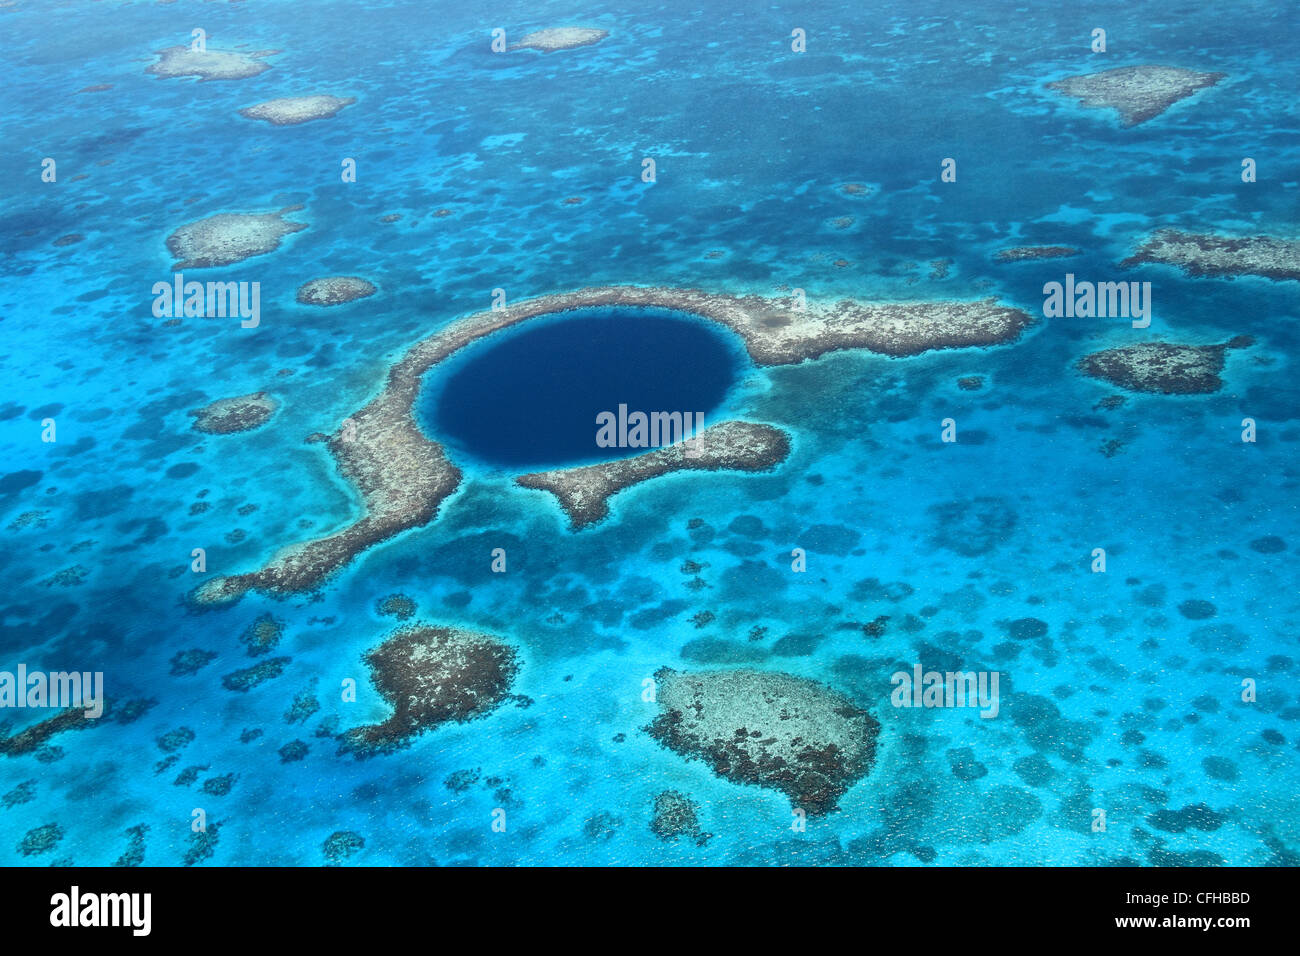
[[530, 397]]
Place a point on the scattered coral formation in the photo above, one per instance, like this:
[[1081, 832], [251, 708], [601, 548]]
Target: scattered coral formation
[[175, 739], [36, 736], [40, 839], [134, 855], [399, 606], [203, 844]]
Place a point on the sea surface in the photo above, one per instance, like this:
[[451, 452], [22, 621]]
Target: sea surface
[[1122, 690]]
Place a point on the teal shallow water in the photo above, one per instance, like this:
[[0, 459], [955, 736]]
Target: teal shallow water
[[1133, 706]]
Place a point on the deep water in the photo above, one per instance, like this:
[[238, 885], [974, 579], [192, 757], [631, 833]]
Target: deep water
[[531, 396], [1121, 691]]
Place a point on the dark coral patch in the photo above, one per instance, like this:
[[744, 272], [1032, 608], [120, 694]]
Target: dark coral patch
[[1269, 544], [1027, 629], [1196, 609]]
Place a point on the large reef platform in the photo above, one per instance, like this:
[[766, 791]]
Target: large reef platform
[[403, 476]]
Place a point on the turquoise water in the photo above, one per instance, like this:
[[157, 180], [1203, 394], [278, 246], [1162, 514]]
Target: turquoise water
[[1129, 701]]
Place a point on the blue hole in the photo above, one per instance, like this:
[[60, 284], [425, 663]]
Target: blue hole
[[529, 398]]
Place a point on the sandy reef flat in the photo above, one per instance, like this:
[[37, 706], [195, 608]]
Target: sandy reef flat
[[1206, 254], [292, 110], [1137, 93], [230, 237], [403, 476]]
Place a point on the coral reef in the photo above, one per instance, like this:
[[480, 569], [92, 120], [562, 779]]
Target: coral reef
[[676, 815], [1137, 93], [1205, 254], [560, 38], [230, 237], [228, 415], [292, 110], [770, 729], [1160, 367], [335, 290], [584, 492], [431, 676]]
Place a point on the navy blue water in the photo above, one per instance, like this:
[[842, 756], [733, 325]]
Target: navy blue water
[[530, 397], [1130, 699]]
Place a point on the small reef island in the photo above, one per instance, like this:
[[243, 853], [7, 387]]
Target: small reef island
[[403, 476], [292, 110], [1205, 254], [769, 729], [1161, 367], [335, 290], [432, 676], [209, 64], [230, 237], [560, 38], [1137, 93], [240, 414]]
